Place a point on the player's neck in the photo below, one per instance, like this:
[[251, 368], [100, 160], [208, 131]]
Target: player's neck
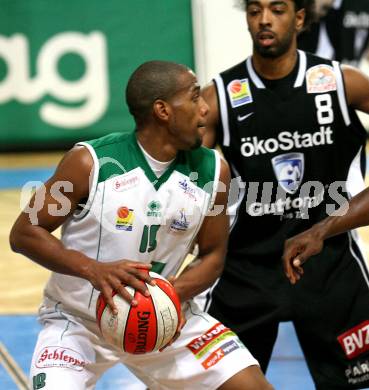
[[156, 144], [275, 68]]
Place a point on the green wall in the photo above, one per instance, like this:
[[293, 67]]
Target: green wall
[[64, 64]]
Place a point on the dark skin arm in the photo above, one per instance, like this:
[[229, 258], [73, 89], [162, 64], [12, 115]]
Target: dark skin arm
[[211, 98], [212, 240], [300, 248], [31, 233]]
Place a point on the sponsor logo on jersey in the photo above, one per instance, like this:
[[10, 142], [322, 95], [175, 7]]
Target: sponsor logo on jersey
[[241, 118], [357, 372], [180, 224], [188, 189], [281, 206], [154, 209], [125, 183], [209, 339], [219, 354], [239, 92], [253, 146], [289, 170], [54, 356], [320, 78], [125, 218], [355, 341]]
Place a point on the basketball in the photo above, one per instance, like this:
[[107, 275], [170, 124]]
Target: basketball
[[147, 327]]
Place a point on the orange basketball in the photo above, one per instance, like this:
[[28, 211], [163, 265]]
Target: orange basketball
[[147, 327]]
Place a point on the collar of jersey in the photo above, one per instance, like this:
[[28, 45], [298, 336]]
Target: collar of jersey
[[299, 78], [143, 164]]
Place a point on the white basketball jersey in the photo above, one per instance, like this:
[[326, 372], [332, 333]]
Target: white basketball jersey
[[133, 215]]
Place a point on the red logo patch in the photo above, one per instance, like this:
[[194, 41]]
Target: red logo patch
[[355, 341], [60, 357], [196, 345], [213, 358], [236, 86]]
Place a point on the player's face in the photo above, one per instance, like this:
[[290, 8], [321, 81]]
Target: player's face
[[273, 25], [189, 111]]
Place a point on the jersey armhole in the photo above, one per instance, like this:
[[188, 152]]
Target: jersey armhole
[[223, 110], [216, 180], [93, 181], [341, 93]]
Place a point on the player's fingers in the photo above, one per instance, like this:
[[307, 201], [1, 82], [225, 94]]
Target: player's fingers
[[143, 274], [175, 337], [140, 265], [134, 282], [299, 270], [122, 291], [108, 296], [288, 271], [182, 323]]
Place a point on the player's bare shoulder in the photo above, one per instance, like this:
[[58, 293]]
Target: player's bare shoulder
[[357, 88], [77, 167]]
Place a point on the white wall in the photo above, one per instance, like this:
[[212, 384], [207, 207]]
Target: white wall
[[221, 38]]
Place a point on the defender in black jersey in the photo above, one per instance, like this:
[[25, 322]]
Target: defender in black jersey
[[342, 34], [286, 123]]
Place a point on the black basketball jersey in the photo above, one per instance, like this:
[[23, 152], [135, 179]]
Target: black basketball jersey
[[295, 150]]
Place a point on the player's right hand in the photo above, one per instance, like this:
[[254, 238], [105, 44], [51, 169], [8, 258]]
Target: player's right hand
[[297, 250], [113, 276]]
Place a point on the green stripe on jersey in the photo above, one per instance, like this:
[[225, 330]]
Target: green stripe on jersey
[[120, 153]]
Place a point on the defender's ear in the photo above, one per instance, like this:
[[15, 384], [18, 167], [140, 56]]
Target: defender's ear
[[300, 19], [161, 109]]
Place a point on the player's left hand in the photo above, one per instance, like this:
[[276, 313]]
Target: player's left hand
[[182, 323], [182, 320], [297, 250]]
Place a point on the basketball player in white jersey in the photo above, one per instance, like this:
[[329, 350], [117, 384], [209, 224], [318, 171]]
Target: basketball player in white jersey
[[135, 200]]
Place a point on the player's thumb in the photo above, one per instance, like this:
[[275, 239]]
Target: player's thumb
[[301, 258]]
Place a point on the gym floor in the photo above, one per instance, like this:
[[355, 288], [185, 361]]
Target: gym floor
[[21, 284]]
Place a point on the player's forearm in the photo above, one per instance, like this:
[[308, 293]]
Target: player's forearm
[[43, 248], [200, 277], [354, 215]]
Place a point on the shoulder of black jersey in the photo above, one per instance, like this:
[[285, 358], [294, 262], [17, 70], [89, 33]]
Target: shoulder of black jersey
[[313, 59], [235, 68]]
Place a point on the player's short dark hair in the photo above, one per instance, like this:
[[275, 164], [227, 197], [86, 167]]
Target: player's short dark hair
[[308, 5], [151, 81]]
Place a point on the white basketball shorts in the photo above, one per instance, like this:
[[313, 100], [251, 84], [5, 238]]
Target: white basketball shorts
[[70, 354]]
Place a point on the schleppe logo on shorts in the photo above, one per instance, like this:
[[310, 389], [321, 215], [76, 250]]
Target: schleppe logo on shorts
[[54, 356], [253, 146], [355, 341]]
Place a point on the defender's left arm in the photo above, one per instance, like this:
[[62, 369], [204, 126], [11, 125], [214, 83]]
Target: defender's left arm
[[212, 241], [357, 88]]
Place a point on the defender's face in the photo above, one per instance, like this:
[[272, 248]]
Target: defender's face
[[189, 111], [273, 25]]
